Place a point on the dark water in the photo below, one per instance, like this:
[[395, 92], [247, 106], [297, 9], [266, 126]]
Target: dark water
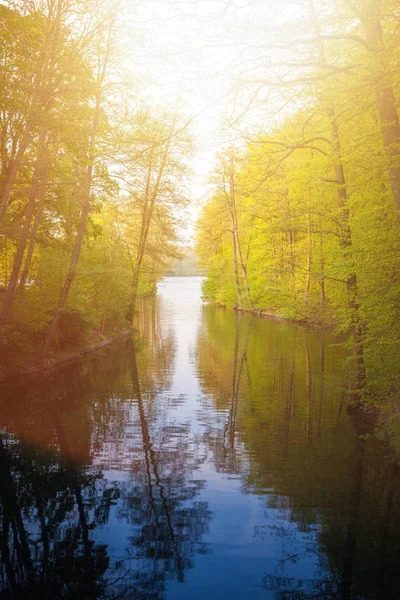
[[215, 459]]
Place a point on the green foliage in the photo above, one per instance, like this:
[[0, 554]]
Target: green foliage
[[317, 211], [78, 242]]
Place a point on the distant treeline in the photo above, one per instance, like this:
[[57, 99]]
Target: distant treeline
[[187, 265]]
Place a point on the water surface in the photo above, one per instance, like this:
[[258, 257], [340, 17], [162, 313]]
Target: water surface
[[212, 457]]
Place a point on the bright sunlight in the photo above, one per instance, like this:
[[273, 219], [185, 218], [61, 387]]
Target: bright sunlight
[[199, 299]]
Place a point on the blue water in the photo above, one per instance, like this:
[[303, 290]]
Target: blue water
[[212, 456]]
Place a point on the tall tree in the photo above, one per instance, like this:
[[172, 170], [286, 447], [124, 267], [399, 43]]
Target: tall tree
[[103, 53]]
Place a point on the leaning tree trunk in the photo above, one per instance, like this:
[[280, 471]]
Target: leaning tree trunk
[[13, 282], [35, 226], [44, 78], [48, 53], [147, 216], [72, 265], [85, 200]]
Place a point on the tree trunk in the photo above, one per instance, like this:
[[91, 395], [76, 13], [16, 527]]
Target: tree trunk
[[235, 223], [290, 235], [44, 75], [291, 258], [12, 284], [102, 69], [235, 264], [308, 263], [309, 395], [147, 216], [385, 99], [35, 227], [49, 50], [351, 282], [135, 286], [72, 265], [322, 271], [346, 241], [230, 196]]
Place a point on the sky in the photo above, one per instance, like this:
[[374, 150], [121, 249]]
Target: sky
[[197, 57]]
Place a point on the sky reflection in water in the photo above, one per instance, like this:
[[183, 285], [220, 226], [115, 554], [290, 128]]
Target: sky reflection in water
[[214, 458]]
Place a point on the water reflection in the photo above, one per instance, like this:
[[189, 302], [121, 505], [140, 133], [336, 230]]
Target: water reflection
[[97, 494], [328, 488], [212, 458]]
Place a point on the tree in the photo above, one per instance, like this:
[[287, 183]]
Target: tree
[[155, 189], [103, 48]]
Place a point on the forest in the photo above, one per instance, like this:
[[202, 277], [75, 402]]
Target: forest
[[303, 220], [211, 188], [92, 182], [301, 215]]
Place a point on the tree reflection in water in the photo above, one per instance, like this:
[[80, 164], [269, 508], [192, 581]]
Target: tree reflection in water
[[110, 468], [278, 420], [66, 489]]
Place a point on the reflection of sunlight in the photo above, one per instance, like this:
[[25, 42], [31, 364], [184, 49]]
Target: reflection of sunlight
[[180, 298]]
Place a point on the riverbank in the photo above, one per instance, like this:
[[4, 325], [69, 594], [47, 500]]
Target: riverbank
[[32, 368], [306, 322]]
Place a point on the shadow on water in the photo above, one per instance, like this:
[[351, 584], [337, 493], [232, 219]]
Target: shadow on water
[[244, 477]]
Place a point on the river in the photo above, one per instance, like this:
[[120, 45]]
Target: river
[[212, 457]]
